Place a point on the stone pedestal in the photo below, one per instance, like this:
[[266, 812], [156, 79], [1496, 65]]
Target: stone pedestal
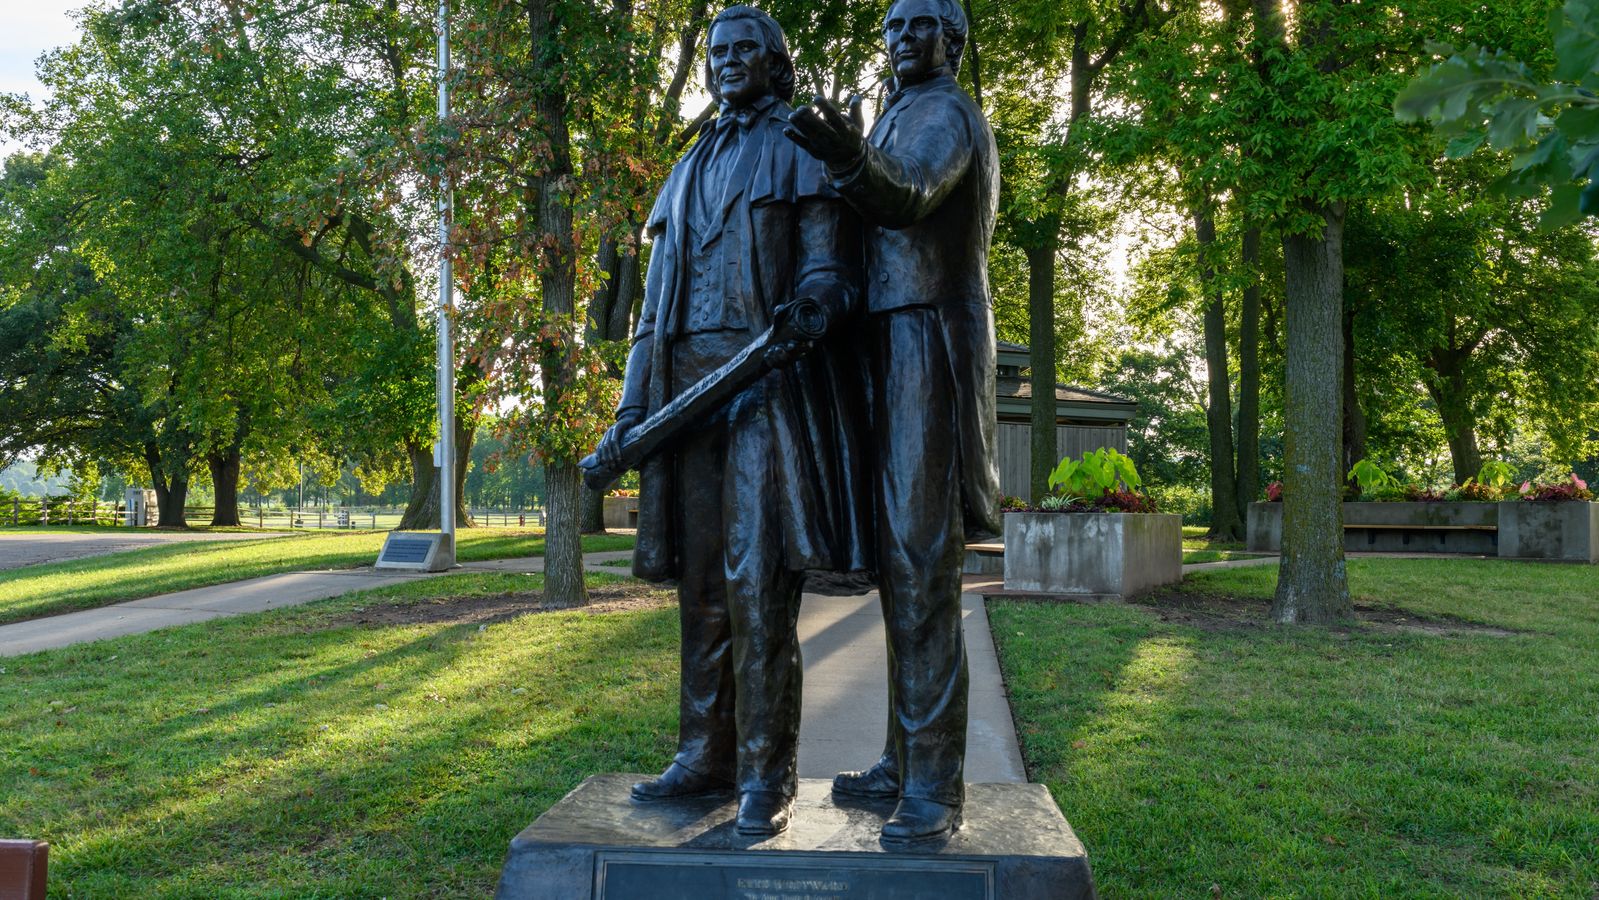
[[598, 844]]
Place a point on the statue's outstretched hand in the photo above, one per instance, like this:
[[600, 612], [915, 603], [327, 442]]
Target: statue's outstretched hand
[[827, 134]]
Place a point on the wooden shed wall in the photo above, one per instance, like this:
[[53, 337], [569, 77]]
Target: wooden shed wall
[[1015, 450]]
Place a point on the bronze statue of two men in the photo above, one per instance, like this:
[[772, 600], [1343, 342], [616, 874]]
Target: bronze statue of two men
[[865, 446]]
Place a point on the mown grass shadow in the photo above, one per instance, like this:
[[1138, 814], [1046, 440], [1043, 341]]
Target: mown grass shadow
[[299, 783]]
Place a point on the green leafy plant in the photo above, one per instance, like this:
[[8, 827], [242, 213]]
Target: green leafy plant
[[1375, 483], [1095, 475], [1496, 474]]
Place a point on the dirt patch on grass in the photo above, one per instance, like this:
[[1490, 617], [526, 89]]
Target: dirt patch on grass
[[484, 610], [1218, 612]]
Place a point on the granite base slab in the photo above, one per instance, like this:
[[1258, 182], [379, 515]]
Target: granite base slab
[[597, 843]]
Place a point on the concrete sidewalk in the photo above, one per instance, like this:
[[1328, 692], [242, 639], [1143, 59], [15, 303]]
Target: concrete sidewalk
[[845, 713], [239, 598]]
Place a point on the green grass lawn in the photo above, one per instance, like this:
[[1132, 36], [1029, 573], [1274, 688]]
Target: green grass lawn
[[1191, 745], [1197, 548], [52, 588], [7, 530], [308, 753], [1207, 556]]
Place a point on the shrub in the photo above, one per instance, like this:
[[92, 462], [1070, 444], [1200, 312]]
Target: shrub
[[1415, 493], [1475, 491], [1573, 489]]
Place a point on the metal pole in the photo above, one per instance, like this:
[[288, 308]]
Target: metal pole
[[446, 323]]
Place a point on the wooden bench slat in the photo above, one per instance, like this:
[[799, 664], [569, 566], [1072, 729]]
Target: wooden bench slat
[[1348, 526]]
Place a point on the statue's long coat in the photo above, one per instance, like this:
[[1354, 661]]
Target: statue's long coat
[[928, 190], [799, 239]]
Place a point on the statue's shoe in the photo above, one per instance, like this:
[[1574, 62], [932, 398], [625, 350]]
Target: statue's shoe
[[679, 782], [764, 813], [879, 781], [916, 820]]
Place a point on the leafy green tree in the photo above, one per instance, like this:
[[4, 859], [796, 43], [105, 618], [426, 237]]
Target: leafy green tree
[[1493, 314], [567, 119], [1546, 115]]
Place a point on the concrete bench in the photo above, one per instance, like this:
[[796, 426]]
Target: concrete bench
[[1406, 530], [984, 559]]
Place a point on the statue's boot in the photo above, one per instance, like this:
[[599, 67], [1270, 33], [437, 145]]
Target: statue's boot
[[916, 820], [881, 780], [680, 782], [764, 813]]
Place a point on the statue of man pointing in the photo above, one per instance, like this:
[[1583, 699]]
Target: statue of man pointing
[[926, 186]]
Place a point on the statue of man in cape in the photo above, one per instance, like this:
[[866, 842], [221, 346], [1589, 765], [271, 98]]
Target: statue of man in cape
[[770, 486]]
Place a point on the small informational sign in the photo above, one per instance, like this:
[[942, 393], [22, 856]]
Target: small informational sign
[[414, 550], [788, 876]]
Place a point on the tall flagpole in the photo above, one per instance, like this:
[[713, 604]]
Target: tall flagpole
[[445, 455]]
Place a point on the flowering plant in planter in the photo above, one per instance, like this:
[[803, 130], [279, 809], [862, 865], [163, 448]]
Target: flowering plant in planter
[[1274, 492], [1573, 489], [1103, 480]]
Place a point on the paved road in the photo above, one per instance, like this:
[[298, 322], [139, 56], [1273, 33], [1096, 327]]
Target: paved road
[[25, 548]]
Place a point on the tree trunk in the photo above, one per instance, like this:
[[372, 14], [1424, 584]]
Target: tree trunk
[[1453, 399], [1248, 480], [171, 504], [1225, 523], [1041, 357], [171, 489], [1312, 585], [225, 480], [552, 217], [563, 583], [1354, 417], [422, 511], [591, 510]]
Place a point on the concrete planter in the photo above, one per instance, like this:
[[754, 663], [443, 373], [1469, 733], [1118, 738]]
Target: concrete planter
[[1534, 530], [621, 512], [1102, 554], [1459, 527]]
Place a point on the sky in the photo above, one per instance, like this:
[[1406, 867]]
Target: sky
[[31, 28]]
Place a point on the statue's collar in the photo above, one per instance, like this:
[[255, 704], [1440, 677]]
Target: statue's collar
[[745, 116], [905, 93]]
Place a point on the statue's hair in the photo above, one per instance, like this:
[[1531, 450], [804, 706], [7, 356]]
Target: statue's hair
[[776, 45], [953, 17]]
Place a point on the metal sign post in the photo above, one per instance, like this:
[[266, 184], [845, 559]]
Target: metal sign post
[[445, 557]]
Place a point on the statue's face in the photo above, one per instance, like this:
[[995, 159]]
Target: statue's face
[[741, 66], [914, 36]]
